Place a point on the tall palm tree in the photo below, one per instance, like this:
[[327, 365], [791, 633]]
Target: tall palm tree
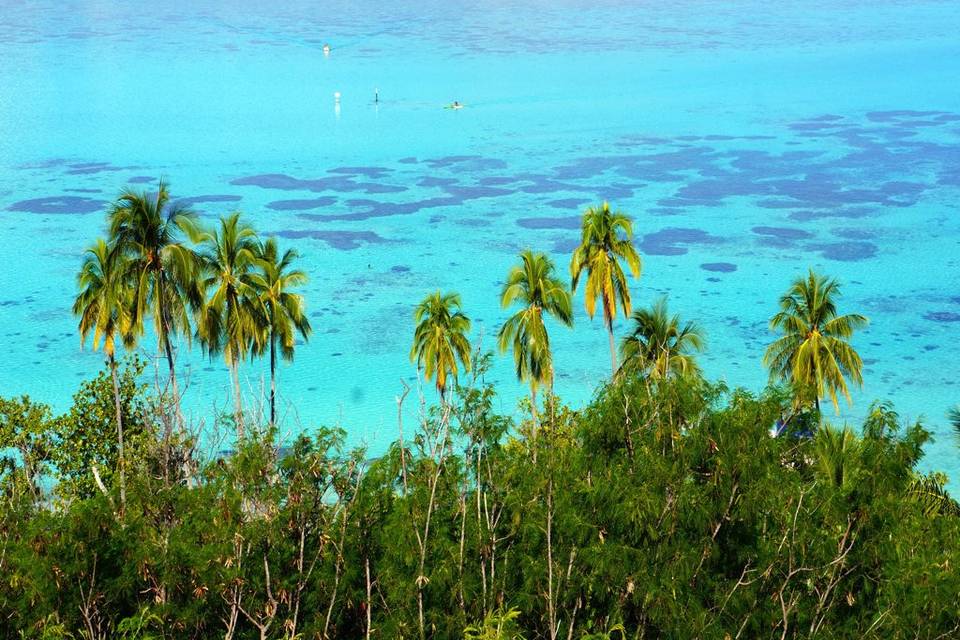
[[660, 346], [440, 338], [233, 316], [814, 352], [161, 267], [103, 307], [285, 315], [533, 284], [606, 239]]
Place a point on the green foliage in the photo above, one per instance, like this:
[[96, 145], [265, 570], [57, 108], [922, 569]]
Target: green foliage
[[496, 625], [660, 346], [85, 437], [662, 509]]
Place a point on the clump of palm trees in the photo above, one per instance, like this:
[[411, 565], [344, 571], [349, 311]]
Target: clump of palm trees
[[225, 287], [236, 294], [813, 355]]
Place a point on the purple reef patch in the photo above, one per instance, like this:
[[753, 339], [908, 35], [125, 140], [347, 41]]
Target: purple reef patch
[[339, 183], [942, 316], [567, 203], [784, 233], [846, 251], [719, 267], [671, 240], [374, 173], [300, 205], [58, 204], [342, 240], [192, 200], [549, 223]]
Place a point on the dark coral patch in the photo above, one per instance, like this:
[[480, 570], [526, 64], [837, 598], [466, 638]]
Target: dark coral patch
[[86, 168], [140, 179], [719, 267], [942, 316], [849, 212], [189, 202], [568, 203], [785, 233], [846, 251], [671, 241], [300, 205], [58, 204], [433, 181], [342, 240], [340, 183], [472, 193], [374, 173], [549, 223], [399, 268]]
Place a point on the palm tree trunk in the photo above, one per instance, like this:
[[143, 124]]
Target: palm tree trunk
[[237, 406], [120, 453], [613, 349], [165, 341], [273, 378]]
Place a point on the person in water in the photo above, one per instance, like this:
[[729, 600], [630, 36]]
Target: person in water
[[456, 105], [326, 49]]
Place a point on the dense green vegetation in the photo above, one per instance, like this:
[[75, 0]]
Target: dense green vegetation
[[665, 508]]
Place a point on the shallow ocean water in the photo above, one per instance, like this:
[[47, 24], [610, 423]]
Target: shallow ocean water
[[749, 140]]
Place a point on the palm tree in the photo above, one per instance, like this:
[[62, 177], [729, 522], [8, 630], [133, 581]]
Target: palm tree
[[440, 338], [233, 316], [285, 314], [659, 346], [534, 285], [814, 352], [103, 307], [606, 239], [837, 456], [162, 269]]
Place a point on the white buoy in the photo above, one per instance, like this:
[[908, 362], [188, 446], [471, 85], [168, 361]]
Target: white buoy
[[336, 97]]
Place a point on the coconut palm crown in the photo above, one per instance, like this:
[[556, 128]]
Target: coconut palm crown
[[162, 269], [660, 346], [285, 310], [814, 353], [440, 338], [103, 306], [533, 285], [233, 316], [606, 239]]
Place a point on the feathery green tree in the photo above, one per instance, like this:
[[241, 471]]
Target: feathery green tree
[[606, 239]]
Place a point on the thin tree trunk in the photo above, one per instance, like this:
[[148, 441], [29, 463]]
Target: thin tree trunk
[[237, 406], [120, 453], [369, 599], [165, 342], [273, 378], [613, 349]]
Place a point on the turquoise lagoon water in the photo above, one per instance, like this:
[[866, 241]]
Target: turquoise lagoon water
[[749, 140]]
